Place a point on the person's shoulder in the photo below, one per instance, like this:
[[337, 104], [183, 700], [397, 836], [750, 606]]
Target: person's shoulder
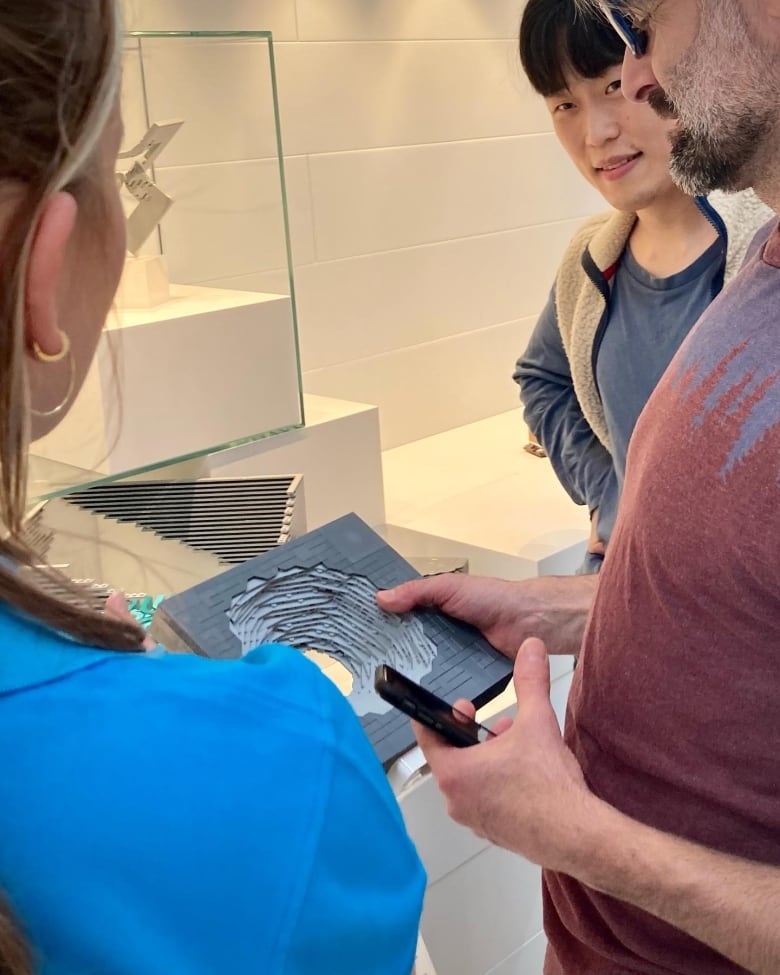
[[273, 690], [747, 220], [274, 676], [604, 235], [760, 238], [272, 680], [743, 209], [569, 274], [272, 709], [588, 229]]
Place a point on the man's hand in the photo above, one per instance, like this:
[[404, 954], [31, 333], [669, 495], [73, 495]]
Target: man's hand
[[553, 608], [522, 790], [595, 545]]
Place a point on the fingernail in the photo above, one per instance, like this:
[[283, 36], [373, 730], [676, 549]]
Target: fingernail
[[533, 650]]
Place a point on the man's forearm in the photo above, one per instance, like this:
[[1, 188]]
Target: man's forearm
[[557, 609], [730, 904]]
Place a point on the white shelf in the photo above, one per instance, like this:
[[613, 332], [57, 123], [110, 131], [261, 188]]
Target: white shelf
[[474, 491], [205, 368], [189, 301]]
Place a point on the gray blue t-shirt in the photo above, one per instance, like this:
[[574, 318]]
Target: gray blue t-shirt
[[649, 318]]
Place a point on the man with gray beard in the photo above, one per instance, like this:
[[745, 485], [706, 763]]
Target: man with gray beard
[[722, 88], [657, 816]]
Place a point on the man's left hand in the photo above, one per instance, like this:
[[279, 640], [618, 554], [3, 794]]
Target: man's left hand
[[524, 789]]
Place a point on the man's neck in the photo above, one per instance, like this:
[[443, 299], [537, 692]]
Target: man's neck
[[670, 234]]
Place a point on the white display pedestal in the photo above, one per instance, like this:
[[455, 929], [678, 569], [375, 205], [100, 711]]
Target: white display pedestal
[[207, 367], [483, 905]]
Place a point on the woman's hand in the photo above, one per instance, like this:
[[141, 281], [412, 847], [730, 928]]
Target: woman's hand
[[116, 606]]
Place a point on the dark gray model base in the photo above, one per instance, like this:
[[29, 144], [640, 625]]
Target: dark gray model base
[[457, 660]]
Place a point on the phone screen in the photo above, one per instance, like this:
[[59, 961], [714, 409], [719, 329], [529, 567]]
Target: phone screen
[[428, 709]]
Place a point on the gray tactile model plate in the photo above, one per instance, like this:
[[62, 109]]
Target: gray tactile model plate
[[317, 593]]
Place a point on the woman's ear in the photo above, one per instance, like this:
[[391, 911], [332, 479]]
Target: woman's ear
[[45, 270]]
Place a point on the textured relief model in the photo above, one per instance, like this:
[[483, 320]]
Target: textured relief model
[[153, 204], [324, 609], [316, 593]]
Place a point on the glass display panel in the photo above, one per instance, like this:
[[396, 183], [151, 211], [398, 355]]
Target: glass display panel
[[200, 352]]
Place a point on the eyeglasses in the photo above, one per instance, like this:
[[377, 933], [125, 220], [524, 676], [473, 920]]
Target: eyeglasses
[[635, 39]]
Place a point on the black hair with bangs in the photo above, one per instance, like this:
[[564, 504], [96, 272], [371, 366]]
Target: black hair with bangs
[[557, 39]]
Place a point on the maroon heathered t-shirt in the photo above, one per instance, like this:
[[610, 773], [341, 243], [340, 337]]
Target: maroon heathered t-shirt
[[674, 712]]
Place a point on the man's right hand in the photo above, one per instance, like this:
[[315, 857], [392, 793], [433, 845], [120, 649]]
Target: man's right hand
[[553, 608]]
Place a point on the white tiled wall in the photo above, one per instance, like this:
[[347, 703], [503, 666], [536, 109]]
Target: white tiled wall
[[428, 199]]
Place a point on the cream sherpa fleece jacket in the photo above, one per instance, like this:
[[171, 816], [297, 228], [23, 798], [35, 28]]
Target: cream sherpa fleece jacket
[[583, 283]]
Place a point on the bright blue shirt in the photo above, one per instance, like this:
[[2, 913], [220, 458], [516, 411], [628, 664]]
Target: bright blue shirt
[[164, 813]]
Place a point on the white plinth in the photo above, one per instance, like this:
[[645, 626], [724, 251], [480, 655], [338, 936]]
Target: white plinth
[[207, 367]]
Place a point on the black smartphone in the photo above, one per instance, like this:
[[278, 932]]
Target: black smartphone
[[454, 726]]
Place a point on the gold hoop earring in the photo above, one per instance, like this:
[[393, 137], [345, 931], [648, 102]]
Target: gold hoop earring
[[42, 356]]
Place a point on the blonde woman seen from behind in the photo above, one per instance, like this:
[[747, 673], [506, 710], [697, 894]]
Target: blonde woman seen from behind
[[157, 813]]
